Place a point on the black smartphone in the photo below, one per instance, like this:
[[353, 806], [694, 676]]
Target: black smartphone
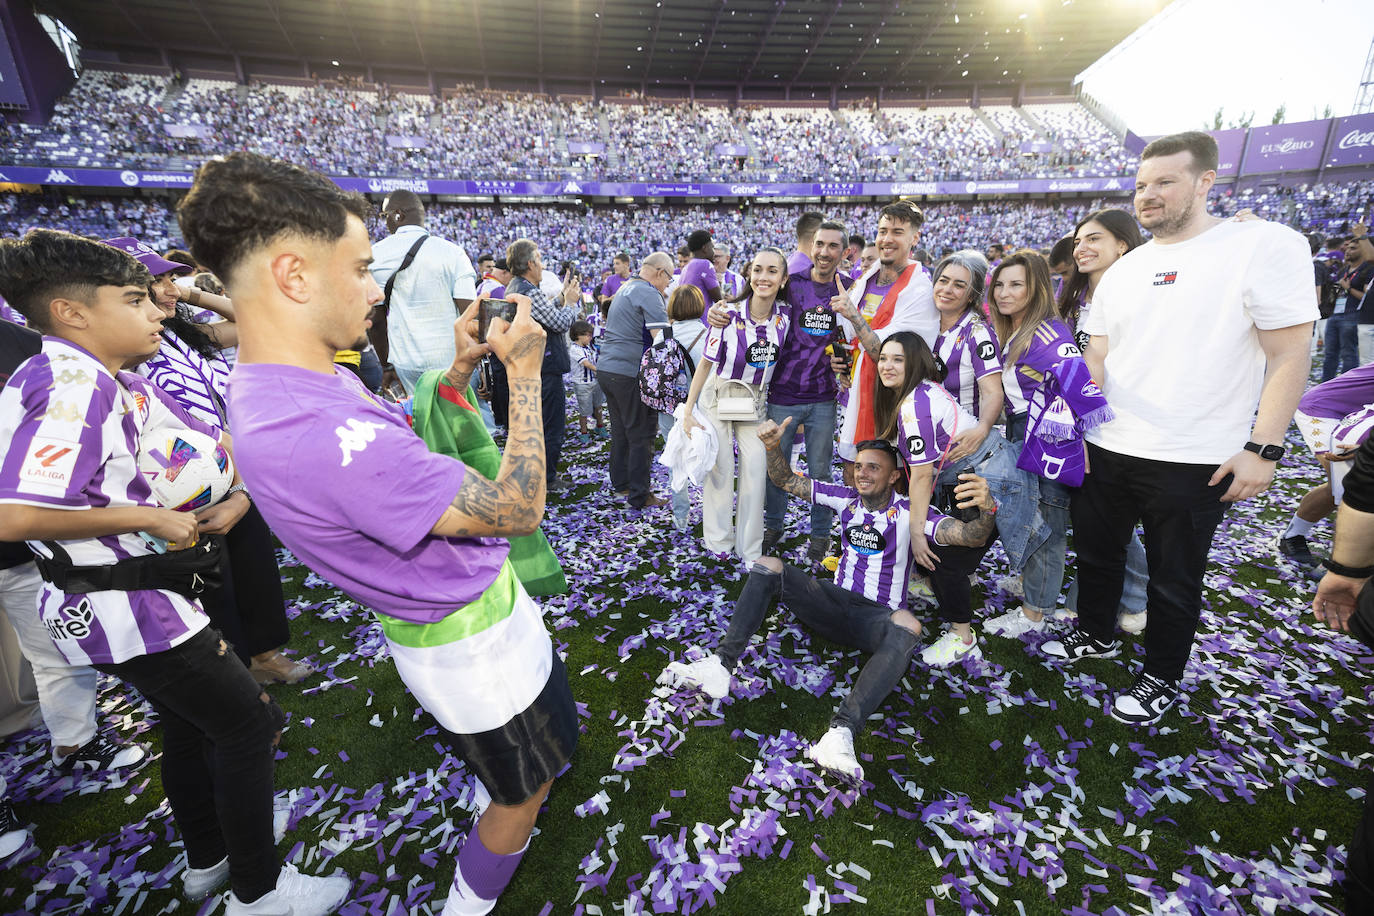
[[493, 308]]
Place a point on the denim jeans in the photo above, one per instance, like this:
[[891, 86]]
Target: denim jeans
[[1019, 523], [218, 728], [682, 499], [1342, 348], [1366, 344], [1137, 581], [819, 420], [1042, 573], [1179, 513], [835, 614]]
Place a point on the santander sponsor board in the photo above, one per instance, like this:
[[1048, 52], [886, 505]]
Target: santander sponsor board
[[1352, 142], [1285, 147]]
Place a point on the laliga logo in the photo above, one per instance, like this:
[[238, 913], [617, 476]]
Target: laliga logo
[[1356, 139], [744, 189], [129, 178]]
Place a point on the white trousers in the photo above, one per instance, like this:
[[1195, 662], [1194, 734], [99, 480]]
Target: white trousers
[[66, 692], [742, 531]]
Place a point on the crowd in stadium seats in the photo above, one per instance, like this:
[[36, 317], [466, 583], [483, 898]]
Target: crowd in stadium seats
[[116, 120]]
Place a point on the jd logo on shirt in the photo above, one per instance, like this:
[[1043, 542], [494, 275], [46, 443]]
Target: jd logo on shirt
[[865, 539], [761, 354], [818, 322], [1067, 349], [915, 446], [70, 622], [986, 350]]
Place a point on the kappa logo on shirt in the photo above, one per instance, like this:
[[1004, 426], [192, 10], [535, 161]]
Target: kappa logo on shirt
[[355, 436], [49, 463], [1165, 277]]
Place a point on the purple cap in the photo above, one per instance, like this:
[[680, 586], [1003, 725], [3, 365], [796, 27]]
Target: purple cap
[[146, 256]]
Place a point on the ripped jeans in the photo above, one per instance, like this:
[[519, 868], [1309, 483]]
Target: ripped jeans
[[219, 729], [836, 614]]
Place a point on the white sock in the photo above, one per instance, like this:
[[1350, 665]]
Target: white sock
[[1299, 527]]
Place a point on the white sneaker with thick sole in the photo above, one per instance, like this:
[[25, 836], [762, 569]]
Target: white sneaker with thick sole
[[835, 753], [707, 673], [199, 883], [295, 895], [1132, 623], [1013, 625], [949, 649], [1010, 585]]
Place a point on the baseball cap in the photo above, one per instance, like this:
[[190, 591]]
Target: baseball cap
[[500, 264], [146, 256]]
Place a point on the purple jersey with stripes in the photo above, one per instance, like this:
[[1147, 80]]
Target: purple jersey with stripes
[[804, 375], [746, 350], [926, 421], [876, 557], [72, 432], [967, 352], [1050, 342]]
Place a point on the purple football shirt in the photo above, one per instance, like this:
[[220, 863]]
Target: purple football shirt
[[745, 350], [1050, 342], [797, 263], [967, 352], [701, 273], [351, 490], [1344, 394], [926, 421], [613, 283], [804, 375]]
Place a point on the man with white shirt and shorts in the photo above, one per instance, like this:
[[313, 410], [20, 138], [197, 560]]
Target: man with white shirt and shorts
[[1188, 334]]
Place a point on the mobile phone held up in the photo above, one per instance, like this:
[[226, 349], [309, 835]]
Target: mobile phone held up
[[493, 308]]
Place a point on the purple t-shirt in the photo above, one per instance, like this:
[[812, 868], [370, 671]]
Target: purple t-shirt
[[701, 273], [351, 490], [613, 283], [804, 375], [1344, 394], [798, 263]]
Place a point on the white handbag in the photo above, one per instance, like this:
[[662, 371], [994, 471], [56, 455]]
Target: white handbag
[[739, 402]]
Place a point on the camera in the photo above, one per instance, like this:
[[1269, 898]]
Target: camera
[[493, 308]]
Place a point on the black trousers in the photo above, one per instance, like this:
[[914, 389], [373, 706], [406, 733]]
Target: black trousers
[[949, 580], [633, 426], [218, 728], [250, 609], [1179, 514], [554, 401]]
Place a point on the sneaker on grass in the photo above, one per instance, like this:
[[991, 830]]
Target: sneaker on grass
[[706, 674], [1132, 623], [1295, 550], [199, 883], [1146, 702], [13, 834], [835, 753], [949, 649], [1013, 625], [1011, 585], [921, 591], [771, 538], [100, 753], [1079, 644], [295, 895]]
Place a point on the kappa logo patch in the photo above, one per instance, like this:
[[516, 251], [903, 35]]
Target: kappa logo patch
[[1165, 277]]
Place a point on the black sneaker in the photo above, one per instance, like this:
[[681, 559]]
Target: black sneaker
[[818, 550], [100, 753], [771, 538], [1146, 702], [1078, 645], [1296, 551]]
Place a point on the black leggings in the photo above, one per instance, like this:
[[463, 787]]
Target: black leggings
[[250, 609]]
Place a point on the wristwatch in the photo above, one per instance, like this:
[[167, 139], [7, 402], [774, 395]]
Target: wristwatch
[[1266, 452], [1350, 572], [238, 488]]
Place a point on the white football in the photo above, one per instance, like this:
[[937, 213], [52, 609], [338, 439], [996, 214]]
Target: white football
[[186, 470]]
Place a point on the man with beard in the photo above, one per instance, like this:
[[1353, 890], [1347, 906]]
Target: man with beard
[[1188, 333]]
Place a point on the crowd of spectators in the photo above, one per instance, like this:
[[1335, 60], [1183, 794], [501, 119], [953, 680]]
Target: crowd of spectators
[[117, 120]]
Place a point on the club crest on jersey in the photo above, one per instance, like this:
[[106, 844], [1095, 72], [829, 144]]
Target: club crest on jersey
[[986, 350], [1090, 390], [865, 539], [1165, 277]]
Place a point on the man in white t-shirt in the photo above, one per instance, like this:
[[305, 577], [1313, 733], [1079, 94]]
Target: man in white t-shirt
[[1188, 334]]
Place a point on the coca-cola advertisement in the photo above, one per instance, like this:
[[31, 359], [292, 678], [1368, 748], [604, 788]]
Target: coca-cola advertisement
[[1352, 142], [1285, 147]]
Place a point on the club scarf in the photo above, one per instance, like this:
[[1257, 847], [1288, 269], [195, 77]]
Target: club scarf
[[865, 372]]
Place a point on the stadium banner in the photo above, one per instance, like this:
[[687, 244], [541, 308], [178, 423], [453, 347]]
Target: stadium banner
[[1352, 142], [189, 131], [586, 148], [406, 141], [1285, 147], [731, 150], [1230, 146]]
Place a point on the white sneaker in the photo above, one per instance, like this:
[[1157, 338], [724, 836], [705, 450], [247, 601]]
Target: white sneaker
[[295, 895], [13, 834], [1132, 623], [198, 883], [835, 753], [949, 649], [708, 674], [1013, 625], [921, 591], [1011, 585]]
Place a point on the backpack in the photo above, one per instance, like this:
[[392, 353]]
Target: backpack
[[1326, 300], [660, 373]]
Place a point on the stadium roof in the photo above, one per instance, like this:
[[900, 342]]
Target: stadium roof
[[901, 45]]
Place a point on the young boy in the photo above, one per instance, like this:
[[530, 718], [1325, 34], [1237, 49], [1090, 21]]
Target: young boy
[[70, 486], [590, 397], [339, 475]]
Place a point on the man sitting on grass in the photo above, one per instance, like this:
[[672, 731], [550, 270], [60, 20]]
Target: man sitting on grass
[[865, 607]]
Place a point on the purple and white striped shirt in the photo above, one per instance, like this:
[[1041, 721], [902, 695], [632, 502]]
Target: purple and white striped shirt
[[73, 432], [926, 421], [745, 350], [967, 352], [876, 557], [199, 385]]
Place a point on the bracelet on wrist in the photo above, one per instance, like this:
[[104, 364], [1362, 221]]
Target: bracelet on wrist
[[1350, 572], [238, 488]]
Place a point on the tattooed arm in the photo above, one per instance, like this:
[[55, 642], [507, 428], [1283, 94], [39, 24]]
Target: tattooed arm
[[779, 471], [513, 504], [972, 491]]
